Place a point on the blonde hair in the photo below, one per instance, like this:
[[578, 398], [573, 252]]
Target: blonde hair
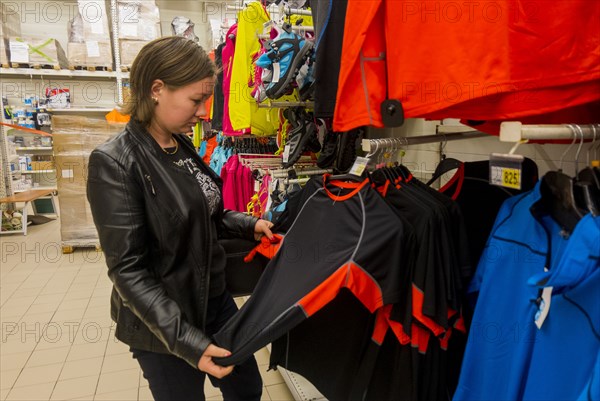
[[176, 61]]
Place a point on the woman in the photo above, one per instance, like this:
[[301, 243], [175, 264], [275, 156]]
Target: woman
[[158, 210]]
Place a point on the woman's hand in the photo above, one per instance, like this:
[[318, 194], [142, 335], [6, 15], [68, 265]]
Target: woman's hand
[[207, 365], [263, 227]]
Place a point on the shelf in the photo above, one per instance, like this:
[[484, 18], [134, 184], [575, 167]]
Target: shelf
[[35, 148], [16, 191], [34, 72], [34, 171], [82, 110]]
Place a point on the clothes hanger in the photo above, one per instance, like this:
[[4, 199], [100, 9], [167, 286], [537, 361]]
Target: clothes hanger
[[445, 165], [587, 193], [557, 190], [588, 174]]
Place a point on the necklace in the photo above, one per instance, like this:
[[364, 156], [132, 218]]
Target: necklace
[[173, 151]]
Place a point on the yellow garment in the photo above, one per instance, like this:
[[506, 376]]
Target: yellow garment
[[243, 110], [307, 20]]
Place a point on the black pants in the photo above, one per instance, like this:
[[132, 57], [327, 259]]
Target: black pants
[[173, 379]]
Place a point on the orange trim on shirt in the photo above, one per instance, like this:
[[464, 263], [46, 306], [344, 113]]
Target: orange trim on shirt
[[349, 276], [358, 186]]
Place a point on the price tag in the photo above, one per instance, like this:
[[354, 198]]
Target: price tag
[[359, 166], [276, 72], [543, 305], [19, 52], [506, 177], [506, 170], [286, 153], [67, 174], [93, 49]]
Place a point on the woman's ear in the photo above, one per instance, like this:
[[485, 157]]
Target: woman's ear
[[157, 87]]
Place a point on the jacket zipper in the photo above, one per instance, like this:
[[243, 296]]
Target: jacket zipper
[[151, 185]]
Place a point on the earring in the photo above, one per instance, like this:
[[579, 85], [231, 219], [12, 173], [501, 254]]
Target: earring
[[155, 99]]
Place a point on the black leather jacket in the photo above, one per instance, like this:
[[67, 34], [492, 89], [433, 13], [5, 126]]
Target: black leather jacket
[[153, 222]]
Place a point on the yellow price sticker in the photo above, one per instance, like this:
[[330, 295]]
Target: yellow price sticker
[[511, 178]]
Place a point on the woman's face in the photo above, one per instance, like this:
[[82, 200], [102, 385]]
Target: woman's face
[[178, 110]]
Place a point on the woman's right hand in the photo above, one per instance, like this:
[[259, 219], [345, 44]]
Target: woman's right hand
[[207, 365]]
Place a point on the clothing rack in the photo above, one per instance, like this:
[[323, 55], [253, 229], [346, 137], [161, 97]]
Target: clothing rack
[[283, 105], [299, 171], [514, 131], [373, 145], [285, 10]]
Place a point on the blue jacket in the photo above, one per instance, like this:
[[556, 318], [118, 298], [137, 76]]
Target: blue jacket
[[507, 356]]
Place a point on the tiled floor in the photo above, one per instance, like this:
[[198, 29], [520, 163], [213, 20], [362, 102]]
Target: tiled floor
[[57, 336]]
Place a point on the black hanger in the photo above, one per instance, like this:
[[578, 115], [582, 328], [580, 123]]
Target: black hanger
[[558, 195], [446, 164]]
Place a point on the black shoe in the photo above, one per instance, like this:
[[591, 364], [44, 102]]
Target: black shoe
[[300, 140], [328, 150], [347, 149]]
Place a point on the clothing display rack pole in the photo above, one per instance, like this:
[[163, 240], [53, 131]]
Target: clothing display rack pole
[[286, 10], [514, 131], [369, 145], [283, 105], [306, 171]]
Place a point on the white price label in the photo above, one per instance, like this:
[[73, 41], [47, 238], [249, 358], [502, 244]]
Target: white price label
[[93, 49], [286, 153], [276, 72], [67, 174], [359, 166], [544, 306], [129, 30], [19, 52]]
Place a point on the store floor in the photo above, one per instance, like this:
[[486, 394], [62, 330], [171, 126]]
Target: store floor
[[57, 336]]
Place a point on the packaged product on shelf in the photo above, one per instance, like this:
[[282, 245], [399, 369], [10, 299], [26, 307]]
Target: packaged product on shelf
[[58, 98], [90, 54], [74, 139], [89, 36], [138, 20], [10, 26], [129, 50], [93, 20], [36, 50]]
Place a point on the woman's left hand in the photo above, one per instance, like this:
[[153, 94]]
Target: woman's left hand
[[263, 227]]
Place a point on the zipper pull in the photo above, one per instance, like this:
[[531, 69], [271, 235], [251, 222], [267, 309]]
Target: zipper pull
[[151, 186]]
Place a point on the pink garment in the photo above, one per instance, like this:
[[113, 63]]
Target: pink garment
[[227, 57], [228, 175], [247, 185]]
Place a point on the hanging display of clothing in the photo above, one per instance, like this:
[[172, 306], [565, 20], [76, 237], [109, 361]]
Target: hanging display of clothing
[[403, 274], [529, 267]]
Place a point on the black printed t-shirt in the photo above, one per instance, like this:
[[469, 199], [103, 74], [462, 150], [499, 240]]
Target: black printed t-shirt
[[185, 161]]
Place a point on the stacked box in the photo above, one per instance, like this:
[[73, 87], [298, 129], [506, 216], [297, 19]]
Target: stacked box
[[74, 139], [91, 54], [89, 35], [129, 49], [139, 23], [35, 50], [10, 26]]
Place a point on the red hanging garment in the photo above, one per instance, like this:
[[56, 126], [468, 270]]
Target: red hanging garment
[[490, 60]]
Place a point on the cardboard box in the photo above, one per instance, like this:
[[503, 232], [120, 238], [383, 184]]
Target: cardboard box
[[10, 24], [138, 20], [129, 50], [37, 51], [74, 138], [42, 165], [95, 20], [90, 54]]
